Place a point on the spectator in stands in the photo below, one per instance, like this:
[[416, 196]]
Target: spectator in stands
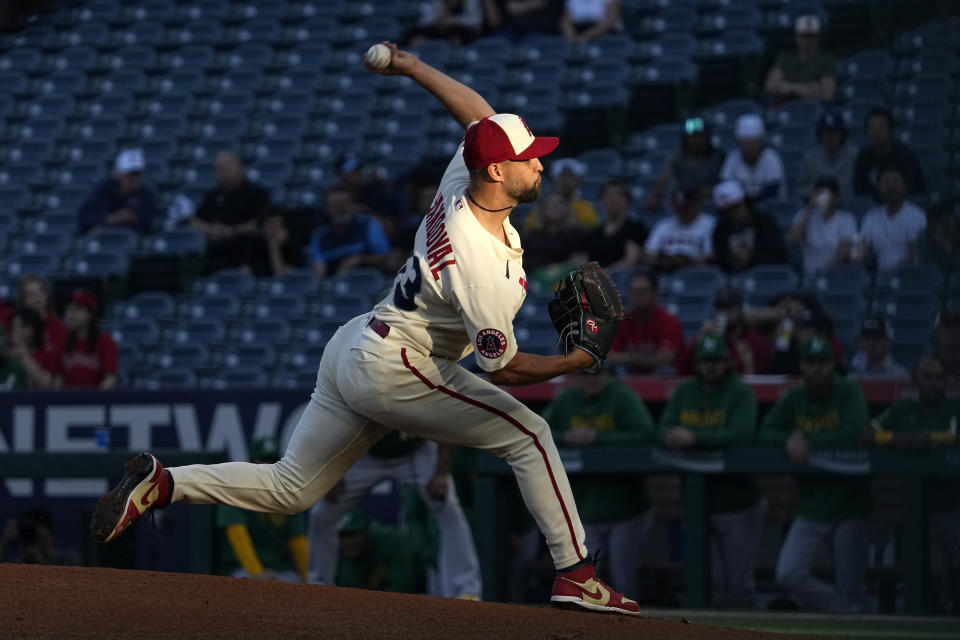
[[941, 244], [824, 233], [795, 328], [265, 546], [714, 410], [749, 352], [828, 411], [89, 356], [948, 342], [618, 242], [34, 292], [348, 239], [230, 216], [874, 359], [695, 165], [753, 164], [557, 246], [519, 19], [584, 20], [567, 175], [892, 231], [650, 337], [743, 237], [29, 539], [881, 151], [122, 200], [930, 420], [833, 156], [459, 21], [27, 350], [12, 374], [684, 239], [807, 73], [600, 409], [282, 252], [370, 193]]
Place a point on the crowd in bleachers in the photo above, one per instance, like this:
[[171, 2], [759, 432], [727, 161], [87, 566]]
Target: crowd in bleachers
[[217, 150]]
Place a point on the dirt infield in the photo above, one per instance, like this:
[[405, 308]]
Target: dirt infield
[[72, 602]]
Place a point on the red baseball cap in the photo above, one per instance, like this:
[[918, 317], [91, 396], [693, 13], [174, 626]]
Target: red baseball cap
[[85, 299], [500, 137]]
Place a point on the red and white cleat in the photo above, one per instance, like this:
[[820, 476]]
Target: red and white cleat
[[582, 588], [144, 485]]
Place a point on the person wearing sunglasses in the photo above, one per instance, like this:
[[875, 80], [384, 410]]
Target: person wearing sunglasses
[[695, 165]]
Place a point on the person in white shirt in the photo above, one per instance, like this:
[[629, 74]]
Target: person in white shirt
[[684, 239], [891, 231], [756, 166], [874, 359], [584, 20], [825, 234]]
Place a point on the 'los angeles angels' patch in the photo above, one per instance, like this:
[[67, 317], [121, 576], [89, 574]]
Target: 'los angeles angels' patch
[[491, 343]]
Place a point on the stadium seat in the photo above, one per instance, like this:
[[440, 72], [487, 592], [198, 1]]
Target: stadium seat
[[294, 379], [211, 305], [187, 355], [228, 281], [301, 358], [100, 263], [135, 331], [149, 304], [264, 331], [238, 377], [38, 263], [178, 241], [169, 378], [245, 355], [209, 331], [693, 281], [765, 281], [283, 305]]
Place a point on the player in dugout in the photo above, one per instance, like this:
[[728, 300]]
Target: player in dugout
[[397, 366]]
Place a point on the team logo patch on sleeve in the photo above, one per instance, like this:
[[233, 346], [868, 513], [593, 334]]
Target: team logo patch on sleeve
[[491, 343]]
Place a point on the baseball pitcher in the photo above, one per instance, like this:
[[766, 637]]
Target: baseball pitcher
[[396, 367]]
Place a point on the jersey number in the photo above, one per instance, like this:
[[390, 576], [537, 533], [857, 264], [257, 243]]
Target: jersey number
[[408, 285]]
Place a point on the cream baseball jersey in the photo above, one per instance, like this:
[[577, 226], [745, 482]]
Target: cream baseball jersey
[[462, 287]]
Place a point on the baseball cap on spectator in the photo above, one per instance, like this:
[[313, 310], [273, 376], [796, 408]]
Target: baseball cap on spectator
[[727, 298], [749, 126], [564, 164], [874, 327], [353, 521], [816, 348], [831, 121], [85, 299], [348, 162], [728, 193], [500, 137], [808, 24], [711, 348], [129, 161]]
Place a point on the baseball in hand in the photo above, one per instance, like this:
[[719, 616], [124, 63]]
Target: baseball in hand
[[378, 57]]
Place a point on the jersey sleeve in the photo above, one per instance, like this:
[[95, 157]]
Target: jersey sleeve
[[489, 326]]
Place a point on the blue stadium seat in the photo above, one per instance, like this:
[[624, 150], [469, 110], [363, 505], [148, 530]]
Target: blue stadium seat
[[118, 240], [211, 305], [294, 379], [301, 358], [210, 331], [186, 355], [62, 82], [541, 341], [97, 263], [264, 330], [877, 64], [308, 333], [13, 197], [22, 59], [294, 281], [141, 33], [157, 305], [196, 32], [92, 34], [340, 309], [38, 263], [764, 281], [282, 305], [54, 242], [12, 82], [135, 331], [693, 281], [240, 377], [928, 279], [228, 281], [364, 280], [603, 162], [169, 378], [798, 113], [245, 355], [177, 241], [674, 19]]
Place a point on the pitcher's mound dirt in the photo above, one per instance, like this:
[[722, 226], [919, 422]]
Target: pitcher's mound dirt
[[75, 602]]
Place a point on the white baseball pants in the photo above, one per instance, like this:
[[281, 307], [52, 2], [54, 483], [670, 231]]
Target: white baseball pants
[[366, 385], [458, 569], [807, 542]]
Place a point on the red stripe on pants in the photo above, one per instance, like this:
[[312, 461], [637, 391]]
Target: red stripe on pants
[[511, 420]]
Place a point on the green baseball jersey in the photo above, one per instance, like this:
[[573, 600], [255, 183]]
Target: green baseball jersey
[[910, 415], [393, 559], [12, 375], [396, 444], [835, 421], [269, 532], [719, 417], [619, 416]]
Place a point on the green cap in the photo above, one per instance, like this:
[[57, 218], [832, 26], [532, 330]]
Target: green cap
[[353, 521], [816, 349], [711, 347], [265, 449]]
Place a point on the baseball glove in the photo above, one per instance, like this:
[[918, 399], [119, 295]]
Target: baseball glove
[[586, 310]]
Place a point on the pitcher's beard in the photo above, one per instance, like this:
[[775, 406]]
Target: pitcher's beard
[[529, 194]]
